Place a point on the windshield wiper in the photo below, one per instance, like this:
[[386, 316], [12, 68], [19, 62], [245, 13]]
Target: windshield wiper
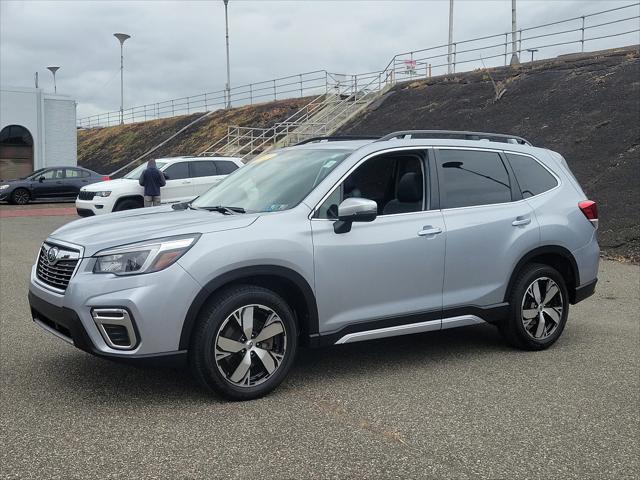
[[225, 210]]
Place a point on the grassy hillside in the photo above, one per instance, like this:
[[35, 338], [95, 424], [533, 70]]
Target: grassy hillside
[[106, 149], [585, 107]]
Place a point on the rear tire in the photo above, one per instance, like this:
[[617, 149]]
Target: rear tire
[[128, 204], [20, 196], [244, 342], [539, 307]]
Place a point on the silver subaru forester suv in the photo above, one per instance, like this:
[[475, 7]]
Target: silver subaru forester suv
[[328, 242]]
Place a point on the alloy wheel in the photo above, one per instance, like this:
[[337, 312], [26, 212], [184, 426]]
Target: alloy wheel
[[542, 308], [21, 197], [250, 345]]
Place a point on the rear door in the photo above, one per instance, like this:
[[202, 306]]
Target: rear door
[[489, 226], [204, 175], [179, 187], [74, 180]]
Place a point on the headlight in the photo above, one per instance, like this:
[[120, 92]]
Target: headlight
[[144, 257], [102, 194], [2, 187]]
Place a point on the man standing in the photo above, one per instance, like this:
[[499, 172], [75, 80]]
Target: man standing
[[152, 179]]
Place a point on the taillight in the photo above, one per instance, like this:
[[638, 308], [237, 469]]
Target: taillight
[[590, 210], [105, 178]]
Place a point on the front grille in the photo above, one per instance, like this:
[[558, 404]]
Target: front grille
[[84, 195], [56, 265]]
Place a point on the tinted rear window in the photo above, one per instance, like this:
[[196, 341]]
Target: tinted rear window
[[472, 178], [532, 177], [225, 167], [203, 169]]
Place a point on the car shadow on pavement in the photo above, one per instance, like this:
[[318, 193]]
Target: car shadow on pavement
[[97, 378]]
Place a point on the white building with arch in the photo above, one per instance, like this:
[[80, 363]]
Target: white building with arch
[[37, 130]]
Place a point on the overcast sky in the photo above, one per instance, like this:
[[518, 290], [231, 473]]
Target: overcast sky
[[177, 47]]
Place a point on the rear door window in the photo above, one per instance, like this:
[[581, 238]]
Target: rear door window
[[177, 171], [203, 169], [225, 167], [532, 177], [472, 177]]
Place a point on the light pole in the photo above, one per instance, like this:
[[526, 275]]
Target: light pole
[[54, 70], [121, 37], [514, 27], [226, 25], [450, 49]]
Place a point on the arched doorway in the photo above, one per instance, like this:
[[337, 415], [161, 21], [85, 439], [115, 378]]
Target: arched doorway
[[16, 152]]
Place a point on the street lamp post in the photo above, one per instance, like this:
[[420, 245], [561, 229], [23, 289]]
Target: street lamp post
[[449, 59], [53, 70], [226, 24], [121, 37], [514, 28]]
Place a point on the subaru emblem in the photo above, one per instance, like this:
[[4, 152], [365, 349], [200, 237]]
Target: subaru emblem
[[52, 255]]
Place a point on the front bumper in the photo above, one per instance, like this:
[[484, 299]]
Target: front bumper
[[158, 304], [97, 206], [65, 324]]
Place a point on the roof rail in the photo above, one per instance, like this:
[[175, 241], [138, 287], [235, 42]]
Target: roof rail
[[337, 138], [461, 135]]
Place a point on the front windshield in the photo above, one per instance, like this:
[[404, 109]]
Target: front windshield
[[135, 173], [273, 181], [34, 174]]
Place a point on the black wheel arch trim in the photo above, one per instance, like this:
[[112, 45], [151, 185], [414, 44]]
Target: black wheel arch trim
[[546, 250], [308, 325]]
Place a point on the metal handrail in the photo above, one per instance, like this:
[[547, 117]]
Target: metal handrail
[[321, 83]]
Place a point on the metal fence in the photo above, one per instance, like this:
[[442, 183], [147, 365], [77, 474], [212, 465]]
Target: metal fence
[[571, 35]]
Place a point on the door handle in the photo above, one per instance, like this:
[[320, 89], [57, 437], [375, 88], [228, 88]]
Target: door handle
[[521, 221], [186, 182], [429, 230]]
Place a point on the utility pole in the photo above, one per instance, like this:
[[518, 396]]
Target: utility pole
[[54, 70], [450, 49], [121, 37], [226, 24], [514, 40]]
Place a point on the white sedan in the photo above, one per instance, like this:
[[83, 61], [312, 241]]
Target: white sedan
[[187, 178]]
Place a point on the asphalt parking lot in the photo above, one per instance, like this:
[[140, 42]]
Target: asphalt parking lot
[[454, 404]]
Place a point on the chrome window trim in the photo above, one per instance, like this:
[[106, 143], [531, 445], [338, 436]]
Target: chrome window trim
[[558, 179], [360, 162]]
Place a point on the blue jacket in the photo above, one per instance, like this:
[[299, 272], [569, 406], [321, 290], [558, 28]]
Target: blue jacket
[[152, 179]]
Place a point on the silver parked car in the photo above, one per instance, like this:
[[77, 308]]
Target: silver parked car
[[328, 242]]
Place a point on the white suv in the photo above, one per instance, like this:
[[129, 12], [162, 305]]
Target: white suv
[[187, 178]]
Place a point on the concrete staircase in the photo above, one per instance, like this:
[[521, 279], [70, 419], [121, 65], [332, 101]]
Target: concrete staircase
[[346, 98]]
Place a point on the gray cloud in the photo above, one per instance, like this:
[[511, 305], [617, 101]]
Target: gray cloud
[[177, 48]]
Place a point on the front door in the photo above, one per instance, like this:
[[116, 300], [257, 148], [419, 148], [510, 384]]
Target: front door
[[50, 184], [389, 272]]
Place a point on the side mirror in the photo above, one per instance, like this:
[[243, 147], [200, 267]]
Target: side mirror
[[166, 177], [354, 210], [41, 179]]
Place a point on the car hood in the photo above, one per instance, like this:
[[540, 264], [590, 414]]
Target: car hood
[[121, 228], [111, 185], [13, 181]]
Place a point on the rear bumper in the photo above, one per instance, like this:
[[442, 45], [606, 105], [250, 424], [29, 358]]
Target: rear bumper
[[584, 291], [66, 325]]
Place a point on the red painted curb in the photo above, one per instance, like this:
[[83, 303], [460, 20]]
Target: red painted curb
[[38, 212]]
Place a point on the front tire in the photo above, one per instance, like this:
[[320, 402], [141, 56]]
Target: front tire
[[128, 204], [244, 343], [20, 196], [539, 307]]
